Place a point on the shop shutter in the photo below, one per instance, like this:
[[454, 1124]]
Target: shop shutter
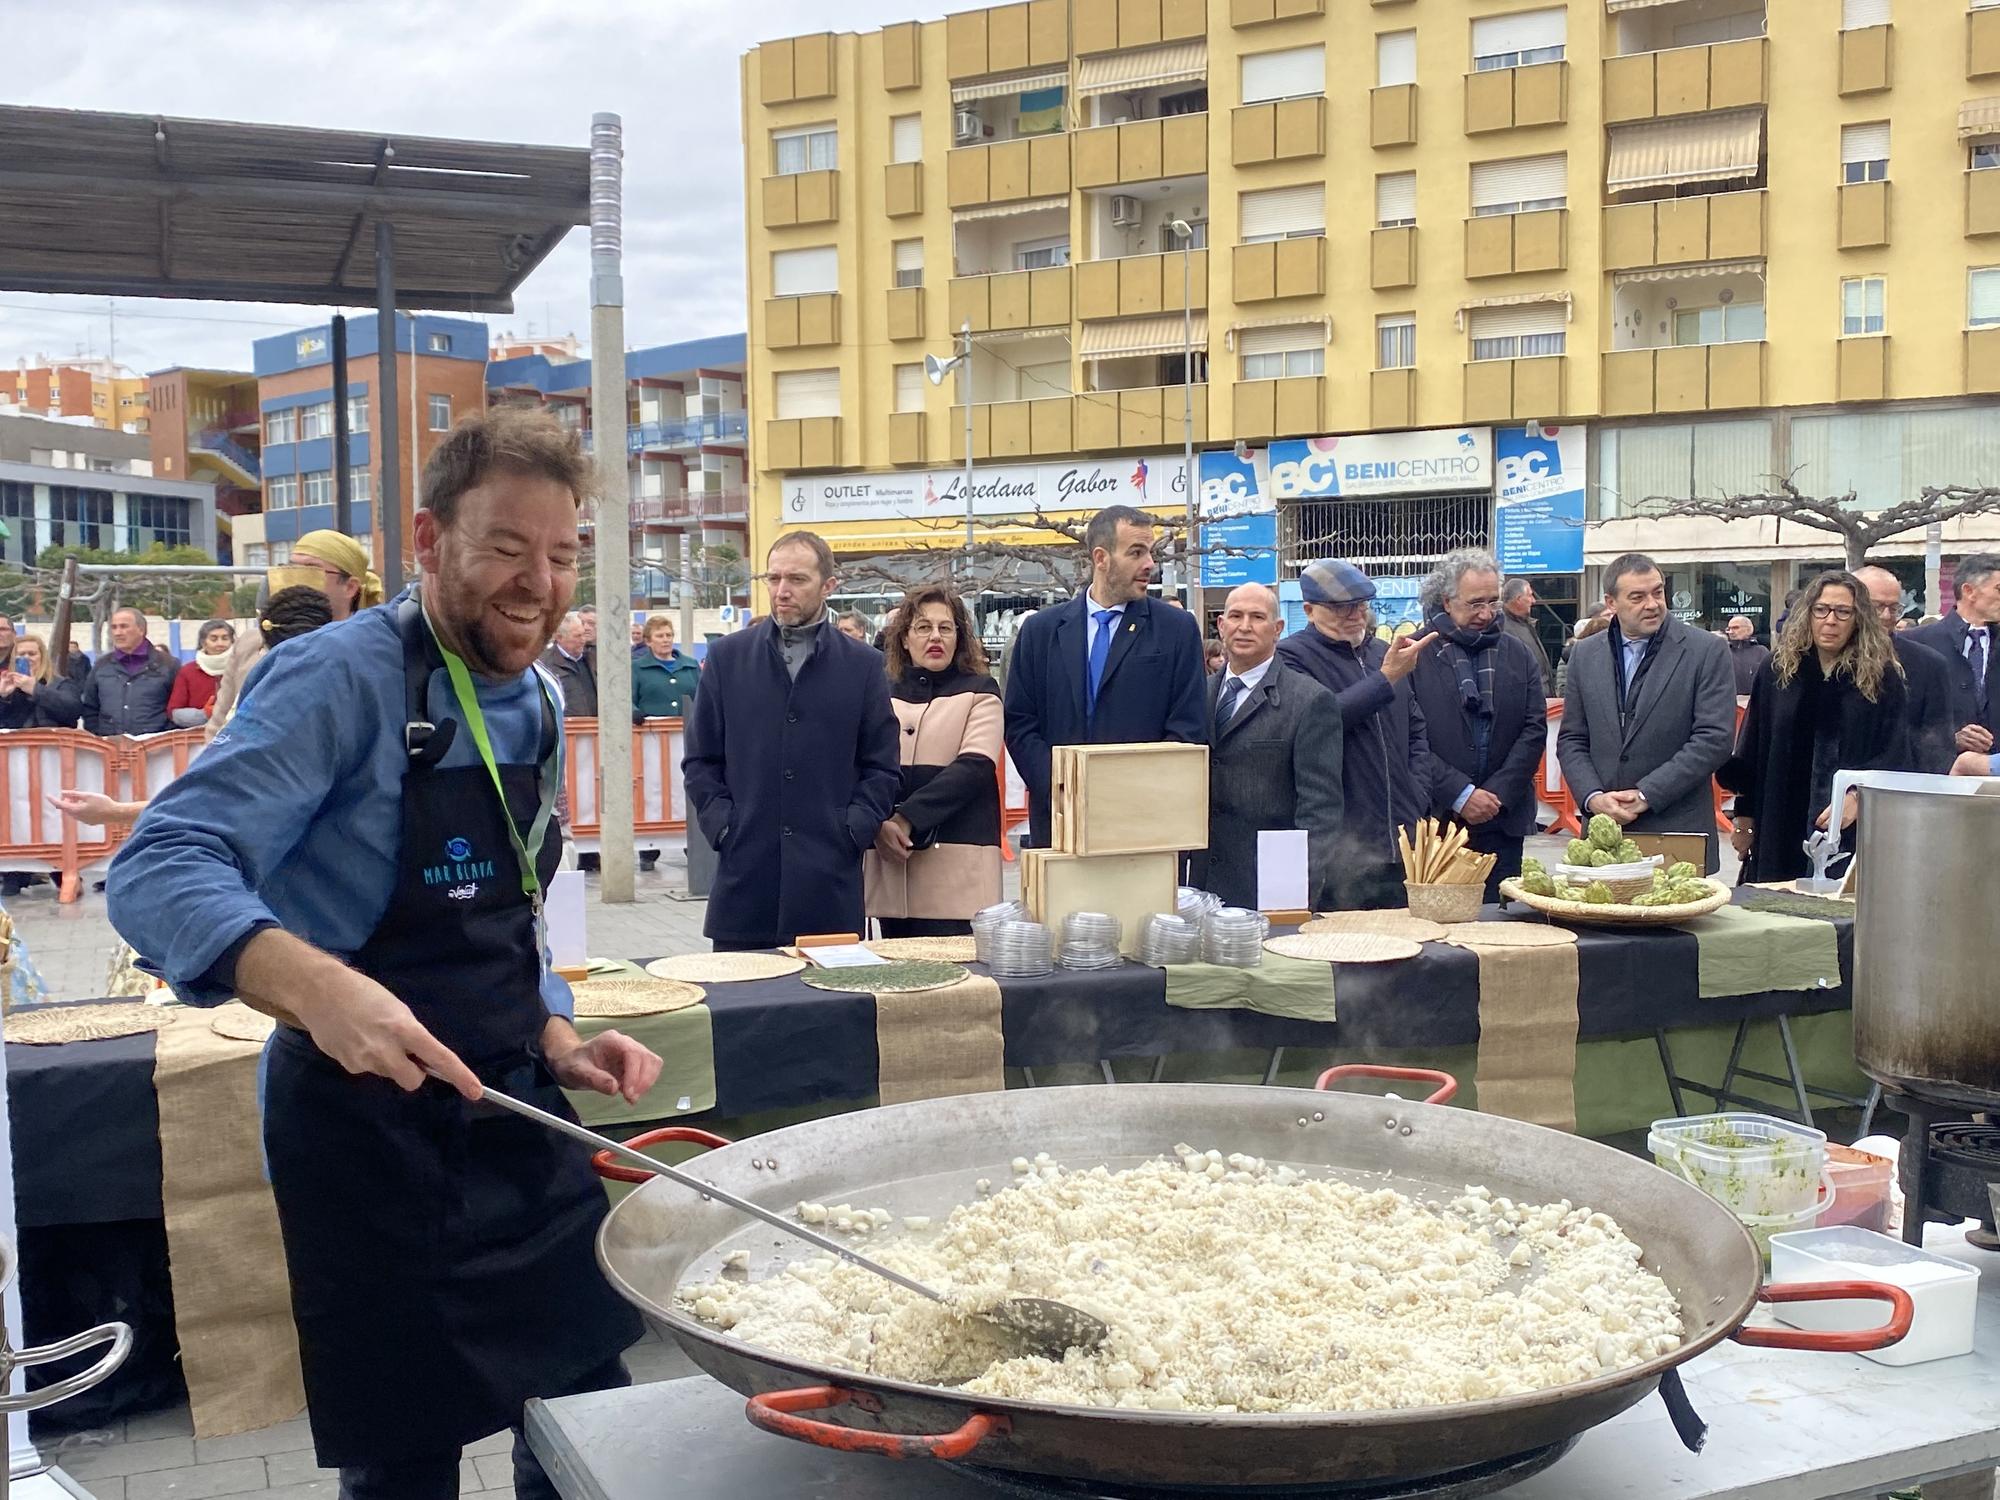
[[1281, 339], [1396, 198], [1395, 58], [808, 393], [1277, 212], [800, 273], [1519, 321], [1868, 142], [1290, 74], [906, 138], [1522, 179], [1855, 14], [1525, 31]]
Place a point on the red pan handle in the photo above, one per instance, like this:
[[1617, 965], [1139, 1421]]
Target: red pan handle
[[607, 1165], [1902, 1310], [773, 1411], [1447, 1085]]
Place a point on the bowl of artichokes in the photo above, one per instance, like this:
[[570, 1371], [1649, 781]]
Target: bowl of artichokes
[[1577, 892]]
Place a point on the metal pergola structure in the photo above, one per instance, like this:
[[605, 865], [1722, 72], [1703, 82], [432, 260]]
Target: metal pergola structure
[[151, 206]]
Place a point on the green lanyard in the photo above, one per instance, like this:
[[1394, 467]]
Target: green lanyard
[[525, 853]]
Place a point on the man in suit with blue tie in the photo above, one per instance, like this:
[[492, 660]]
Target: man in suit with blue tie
[[1111, 667]]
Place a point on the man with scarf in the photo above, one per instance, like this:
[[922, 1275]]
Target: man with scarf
[[1385, 771], [1486, 714]]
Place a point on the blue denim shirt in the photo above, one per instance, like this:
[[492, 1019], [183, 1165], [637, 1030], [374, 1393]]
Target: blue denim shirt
[[293, 815]]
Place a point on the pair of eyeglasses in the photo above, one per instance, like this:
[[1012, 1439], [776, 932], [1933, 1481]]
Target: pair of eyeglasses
[[1493, 603], [926, 632], [1841, 612], [1348, 606]]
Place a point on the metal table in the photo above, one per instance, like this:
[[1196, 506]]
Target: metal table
[[1782, 1426]]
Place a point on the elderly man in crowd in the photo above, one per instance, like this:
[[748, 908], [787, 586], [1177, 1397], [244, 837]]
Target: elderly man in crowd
[[572, 662], [1485, 712], [1385, 756], [1966, 638], [1650, 712], [792, 761], [1746, 652], [1274, 756], [1517, 618], [1926, 676], [129, 684]]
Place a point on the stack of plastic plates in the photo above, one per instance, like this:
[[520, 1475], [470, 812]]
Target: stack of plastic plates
[[1234, 937], [1018, 949], [986, 919], [1090, 941], [1194, 904], [1169, 939]]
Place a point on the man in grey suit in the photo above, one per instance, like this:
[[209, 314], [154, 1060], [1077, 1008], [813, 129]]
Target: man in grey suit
[[1649, 712], [1274, 756]]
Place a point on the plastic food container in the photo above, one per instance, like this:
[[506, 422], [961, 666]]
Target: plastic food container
[[1946, 1293], [1766, 1228], [1860, 1188], [1760, 1167]]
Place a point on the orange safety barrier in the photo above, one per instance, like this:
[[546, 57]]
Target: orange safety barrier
[[36, 839], [658, 800], [1013, 804]]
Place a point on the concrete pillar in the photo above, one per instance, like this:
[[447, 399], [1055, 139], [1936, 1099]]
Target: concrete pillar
[[612, 533]]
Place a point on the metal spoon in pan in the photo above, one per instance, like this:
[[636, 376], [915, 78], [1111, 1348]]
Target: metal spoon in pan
[[1051, 1327]]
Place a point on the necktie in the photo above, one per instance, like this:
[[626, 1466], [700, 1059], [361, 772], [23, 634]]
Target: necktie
[[1975, 655], [1225, 704], [1100, 650]]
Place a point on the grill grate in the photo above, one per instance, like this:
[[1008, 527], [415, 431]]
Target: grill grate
[[1410, 532]]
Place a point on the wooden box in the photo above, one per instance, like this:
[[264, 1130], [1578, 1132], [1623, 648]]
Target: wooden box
[[1129, 799], [1131, 887], [1675, 848]]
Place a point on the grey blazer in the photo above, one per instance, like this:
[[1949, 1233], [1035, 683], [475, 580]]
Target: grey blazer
[[1275, 764], [1680, 731]]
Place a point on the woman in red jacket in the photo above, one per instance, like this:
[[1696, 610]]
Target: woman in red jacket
[[194, 688]]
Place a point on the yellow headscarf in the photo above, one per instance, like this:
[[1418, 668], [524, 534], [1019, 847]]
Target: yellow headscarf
[[346, 554]]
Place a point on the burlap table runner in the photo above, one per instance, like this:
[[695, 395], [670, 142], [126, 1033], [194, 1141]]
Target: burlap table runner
[[932, 1043], [1527, 1029], [232, 1296]]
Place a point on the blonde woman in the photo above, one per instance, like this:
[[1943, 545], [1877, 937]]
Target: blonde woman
[[1832, 697], [41, 697]]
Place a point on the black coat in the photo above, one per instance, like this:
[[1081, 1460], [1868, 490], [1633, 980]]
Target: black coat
[[1794, 738], [1745, 657], [1151, 690], [115, 701], [789, 781], [1947, 639], [577, 677], [1520, 733], [1927, 678]]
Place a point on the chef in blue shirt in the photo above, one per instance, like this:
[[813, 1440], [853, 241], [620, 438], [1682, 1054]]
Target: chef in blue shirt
[[361, 854]]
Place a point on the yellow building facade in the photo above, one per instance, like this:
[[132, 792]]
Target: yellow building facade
[[1729, 239]]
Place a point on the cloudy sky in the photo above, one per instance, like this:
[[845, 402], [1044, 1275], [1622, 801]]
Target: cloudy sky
[[507, 72]]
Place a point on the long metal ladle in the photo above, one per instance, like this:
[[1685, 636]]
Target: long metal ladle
[[1051, 1326]]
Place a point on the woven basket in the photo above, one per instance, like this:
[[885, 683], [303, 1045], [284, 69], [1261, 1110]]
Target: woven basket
[[1590, 915], [1446, 903]]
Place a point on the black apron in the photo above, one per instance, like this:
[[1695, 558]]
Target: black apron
[[441, 1253]]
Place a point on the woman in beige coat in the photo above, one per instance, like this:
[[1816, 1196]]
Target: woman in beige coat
[[936, 860]]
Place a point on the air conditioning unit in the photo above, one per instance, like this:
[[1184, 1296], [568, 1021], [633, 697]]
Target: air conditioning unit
[[966, 126], [1124, 211]]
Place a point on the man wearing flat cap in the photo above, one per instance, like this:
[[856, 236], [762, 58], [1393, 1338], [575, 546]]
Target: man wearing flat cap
[[1385, 759]]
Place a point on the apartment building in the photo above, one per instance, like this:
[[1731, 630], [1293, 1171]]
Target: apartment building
[[102, 390], [1456, 271], [204, 426]]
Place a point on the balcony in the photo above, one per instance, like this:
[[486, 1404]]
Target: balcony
[[1515, 98], [801, 198], [1279, 268], [1686, 80], [729, 428], [1678, 231], [907, 431], [1006, 39], [1283, 130], [1693, 377], [903, 189], [1011, 300], [902, 55], [1138, 284], [802, 322], [800, 67], [1141, 151], [1392, 115], [1864, 60], [1294, 406], [801, 443], [1863, 366], [1392, 258], [1007, 171], [1864, 215], [1505, 244], [1982, 361], [1982, 202], [1517, 390], [906, 312], [1259, 12], [1042, 428], [1982, 43], [1392, 398], [1142, 417], [1120, 25], [677, 509]]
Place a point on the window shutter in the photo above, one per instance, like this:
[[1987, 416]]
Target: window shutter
[[1395, 197], [1855, 14], [1300, 209], [906, 138], [1395, 58], [1282, 339], [808, 393], [1865, 142], [1983, 303], [1520, 321], [1290, 74], [1520, 180], [909, 387], [800, 273], [909, 255], [1522, 32]]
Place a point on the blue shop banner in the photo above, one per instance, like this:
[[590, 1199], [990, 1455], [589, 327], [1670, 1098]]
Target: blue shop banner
[[1253, 554], [1538, 510]]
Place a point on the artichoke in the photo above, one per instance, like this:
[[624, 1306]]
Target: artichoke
[[1597, 893], [1628, 853], [1532, 866], [1601, 857], [1605, 832], [1578, 852], [1537, 882], [1683, 871]]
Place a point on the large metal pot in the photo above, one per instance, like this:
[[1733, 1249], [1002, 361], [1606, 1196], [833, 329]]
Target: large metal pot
[[926, 1158], [1929, 906], [117, 1335]]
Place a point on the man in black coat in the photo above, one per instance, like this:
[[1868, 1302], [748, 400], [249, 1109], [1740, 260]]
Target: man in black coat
[[1926, 676], [572, 660], [1385, 754], [1111, 667], [128, 686], [1746, 652], [1485, 713], [1274, 757], [1966, 639], [791, 761]]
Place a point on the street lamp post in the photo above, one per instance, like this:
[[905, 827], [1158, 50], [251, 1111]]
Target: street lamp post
[[1192, 583], [936, 369]]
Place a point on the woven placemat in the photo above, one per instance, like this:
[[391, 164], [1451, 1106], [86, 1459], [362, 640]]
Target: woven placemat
[[887, 979], [629, 996], [1508, 935], [724, 968], [240, 1023], [50, 1025], [951, 950], [1388, 923], [1344, 947]]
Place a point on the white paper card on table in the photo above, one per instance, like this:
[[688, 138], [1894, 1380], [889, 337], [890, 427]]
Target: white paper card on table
[[1281, 870], [842, 956], [562, 910]]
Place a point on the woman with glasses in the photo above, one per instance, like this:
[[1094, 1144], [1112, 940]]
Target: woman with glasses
[[936, 860], [1832, 697]]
